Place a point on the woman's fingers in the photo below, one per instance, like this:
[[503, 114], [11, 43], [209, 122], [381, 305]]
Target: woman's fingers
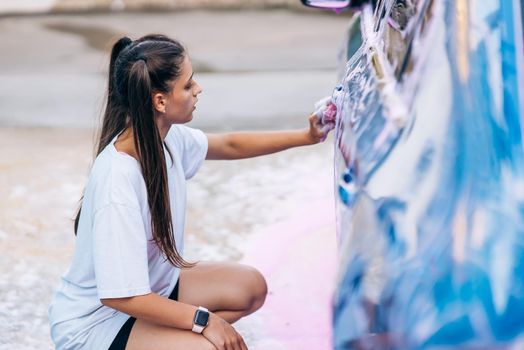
[[237, 340], [223, 335], [233, 340], [313, 119], [243, 345]]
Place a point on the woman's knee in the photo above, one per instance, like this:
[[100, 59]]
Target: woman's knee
[[258, 287]]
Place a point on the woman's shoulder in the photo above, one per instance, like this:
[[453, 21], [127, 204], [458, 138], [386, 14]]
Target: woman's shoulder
[[115, 163], [179, 131], [182, 137], [116, 177], [191, 145]]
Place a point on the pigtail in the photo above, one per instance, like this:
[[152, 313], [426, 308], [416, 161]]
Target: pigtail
[[114, 119], [150, 148], [136, 70], [115, 115]]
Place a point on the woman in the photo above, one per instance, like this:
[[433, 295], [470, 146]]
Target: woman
[[128, 286]]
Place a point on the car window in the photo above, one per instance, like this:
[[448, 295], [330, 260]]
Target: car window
[[406, 20]]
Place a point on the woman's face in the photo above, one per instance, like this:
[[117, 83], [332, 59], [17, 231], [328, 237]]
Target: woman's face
[[181, 101]]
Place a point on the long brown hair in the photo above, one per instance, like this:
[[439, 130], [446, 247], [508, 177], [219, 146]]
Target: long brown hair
[[137, 69]]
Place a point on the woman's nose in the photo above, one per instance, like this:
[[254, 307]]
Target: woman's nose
[[198, 89]]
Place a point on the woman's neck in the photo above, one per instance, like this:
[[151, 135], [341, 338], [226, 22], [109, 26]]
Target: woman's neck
[[163, 130], [126, 140], [162, 126], [125, 143]]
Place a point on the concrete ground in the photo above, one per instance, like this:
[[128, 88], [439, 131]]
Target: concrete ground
[[259, 70]]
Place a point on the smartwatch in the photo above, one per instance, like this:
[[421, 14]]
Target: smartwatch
[[201, 319]]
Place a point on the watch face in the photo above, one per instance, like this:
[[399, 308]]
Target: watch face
[[201, 318]]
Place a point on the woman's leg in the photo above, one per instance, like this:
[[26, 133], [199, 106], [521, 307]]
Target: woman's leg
[[230, 290], [146, 336]]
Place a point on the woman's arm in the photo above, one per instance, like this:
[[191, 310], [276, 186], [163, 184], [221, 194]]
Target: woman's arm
[[240, 145], [155, 308], [160, 310]]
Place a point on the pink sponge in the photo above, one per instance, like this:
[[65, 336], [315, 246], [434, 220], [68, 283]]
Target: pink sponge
[[330, 114]]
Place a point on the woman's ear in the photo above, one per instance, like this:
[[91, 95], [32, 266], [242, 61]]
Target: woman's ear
[[159, 102]]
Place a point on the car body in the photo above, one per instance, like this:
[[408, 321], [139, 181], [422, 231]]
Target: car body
[[429, 176]]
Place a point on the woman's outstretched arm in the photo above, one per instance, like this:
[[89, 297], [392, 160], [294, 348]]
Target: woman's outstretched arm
[[239, 145]]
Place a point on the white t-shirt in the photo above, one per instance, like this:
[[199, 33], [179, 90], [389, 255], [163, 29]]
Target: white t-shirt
[[114, 255]]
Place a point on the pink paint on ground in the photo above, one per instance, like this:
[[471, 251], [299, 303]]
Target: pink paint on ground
[[298, 259]]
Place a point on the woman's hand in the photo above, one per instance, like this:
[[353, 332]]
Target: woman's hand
[[222, 335], [318, 131], [323, 120]]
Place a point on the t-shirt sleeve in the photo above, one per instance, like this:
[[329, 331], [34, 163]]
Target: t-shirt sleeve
[[120, 252], [194, 145]]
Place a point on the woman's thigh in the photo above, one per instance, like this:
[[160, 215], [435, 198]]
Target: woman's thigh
[[223, 286], [146, 336], [218, 286]]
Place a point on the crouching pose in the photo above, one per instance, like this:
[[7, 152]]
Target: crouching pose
[[128, 286]]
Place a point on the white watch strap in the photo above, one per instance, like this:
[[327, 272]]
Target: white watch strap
[[197, 328]]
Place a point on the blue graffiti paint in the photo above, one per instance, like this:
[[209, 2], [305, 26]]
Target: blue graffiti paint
[[430, 178]]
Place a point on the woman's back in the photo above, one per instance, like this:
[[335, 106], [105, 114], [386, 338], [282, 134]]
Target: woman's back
[[115, 255]]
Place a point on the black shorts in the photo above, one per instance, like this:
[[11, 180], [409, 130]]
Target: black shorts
[[121, 338]]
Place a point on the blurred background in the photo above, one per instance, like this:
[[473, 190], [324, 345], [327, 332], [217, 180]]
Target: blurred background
[[262, 65]]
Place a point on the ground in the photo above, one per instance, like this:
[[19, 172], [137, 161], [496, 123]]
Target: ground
[[274, 212]]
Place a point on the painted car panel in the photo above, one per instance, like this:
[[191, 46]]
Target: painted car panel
[[429, 177]]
